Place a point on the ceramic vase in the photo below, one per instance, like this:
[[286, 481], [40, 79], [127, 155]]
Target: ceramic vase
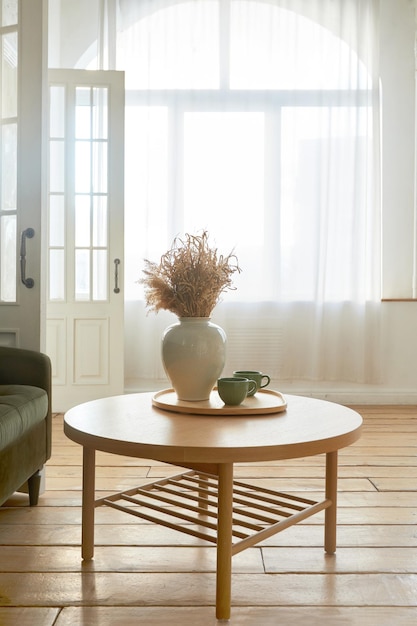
[[193, 355]]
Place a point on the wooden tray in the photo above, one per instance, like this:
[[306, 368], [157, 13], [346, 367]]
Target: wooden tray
[[264, 401]]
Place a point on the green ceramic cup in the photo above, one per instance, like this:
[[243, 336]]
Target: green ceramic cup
[[234, 390], [262, 380]]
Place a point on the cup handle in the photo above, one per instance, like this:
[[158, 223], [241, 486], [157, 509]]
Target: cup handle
[[268, 380], [252, 387]]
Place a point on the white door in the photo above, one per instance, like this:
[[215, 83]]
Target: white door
[[85, 235], [22, 66]]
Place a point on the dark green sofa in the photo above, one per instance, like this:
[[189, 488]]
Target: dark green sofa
[[25, 420]]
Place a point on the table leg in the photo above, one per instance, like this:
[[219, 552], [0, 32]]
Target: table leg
[[331, 512], [224, 541], [88, 503]]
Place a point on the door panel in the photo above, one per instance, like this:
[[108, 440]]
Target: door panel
[[85, 235], [91, 351], [22, 69]]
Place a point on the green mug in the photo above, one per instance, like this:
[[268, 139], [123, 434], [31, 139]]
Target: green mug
[[255, 375], [234, 390]]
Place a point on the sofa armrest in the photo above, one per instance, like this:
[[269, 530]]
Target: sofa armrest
[[27, 367]]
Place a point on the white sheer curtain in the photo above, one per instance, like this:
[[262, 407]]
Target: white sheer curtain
[[259, 121]]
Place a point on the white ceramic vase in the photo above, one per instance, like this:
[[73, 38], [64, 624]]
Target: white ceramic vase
[[193, 355]]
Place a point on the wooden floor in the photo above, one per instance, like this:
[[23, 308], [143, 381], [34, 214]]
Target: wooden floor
[[146, 574]]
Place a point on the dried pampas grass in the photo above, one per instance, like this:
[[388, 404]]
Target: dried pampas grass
[[190, 277]]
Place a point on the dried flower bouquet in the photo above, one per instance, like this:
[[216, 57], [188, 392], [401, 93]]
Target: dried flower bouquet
[[189, 278]]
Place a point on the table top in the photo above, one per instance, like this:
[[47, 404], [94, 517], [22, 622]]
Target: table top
[[129, 425]]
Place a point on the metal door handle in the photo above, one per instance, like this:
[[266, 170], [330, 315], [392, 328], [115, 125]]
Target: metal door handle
[[116, 276], [28, 233]]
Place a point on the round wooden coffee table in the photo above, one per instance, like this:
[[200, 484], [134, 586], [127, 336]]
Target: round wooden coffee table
[[205, 501]]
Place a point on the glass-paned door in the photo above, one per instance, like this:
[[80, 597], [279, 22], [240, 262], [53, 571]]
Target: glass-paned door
[[85, 235], [22, 67]]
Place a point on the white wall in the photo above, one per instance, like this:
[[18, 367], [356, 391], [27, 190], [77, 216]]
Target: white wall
[[397, 67]]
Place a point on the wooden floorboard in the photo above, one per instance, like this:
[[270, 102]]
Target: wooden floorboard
[[147, 574]]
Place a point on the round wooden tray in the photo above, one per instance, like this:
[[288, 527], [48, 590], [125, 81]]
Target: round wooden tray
[[264, 401]]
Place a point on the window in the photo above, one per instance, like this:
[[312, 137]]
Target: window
[[256, 123]]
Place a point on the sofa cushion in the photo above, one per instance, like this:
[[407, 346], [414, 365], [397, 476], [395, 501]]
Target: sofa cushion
[[21, 406]]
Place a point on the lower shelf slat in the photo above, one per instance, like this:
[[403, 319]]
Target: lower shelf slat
[[250, 503]]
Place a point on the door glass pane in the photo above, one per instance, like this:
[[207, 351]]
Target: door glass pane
[[9, 166], [100, 113], [56, 166], [56, 275], [57, 112], [9, 12], [8, 150], [8, 258], [83, 113], [82, 274], [82, 167], [100, 221], [99, 274], [56, 221], [82, 221], [9, 75], [99, 167]]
